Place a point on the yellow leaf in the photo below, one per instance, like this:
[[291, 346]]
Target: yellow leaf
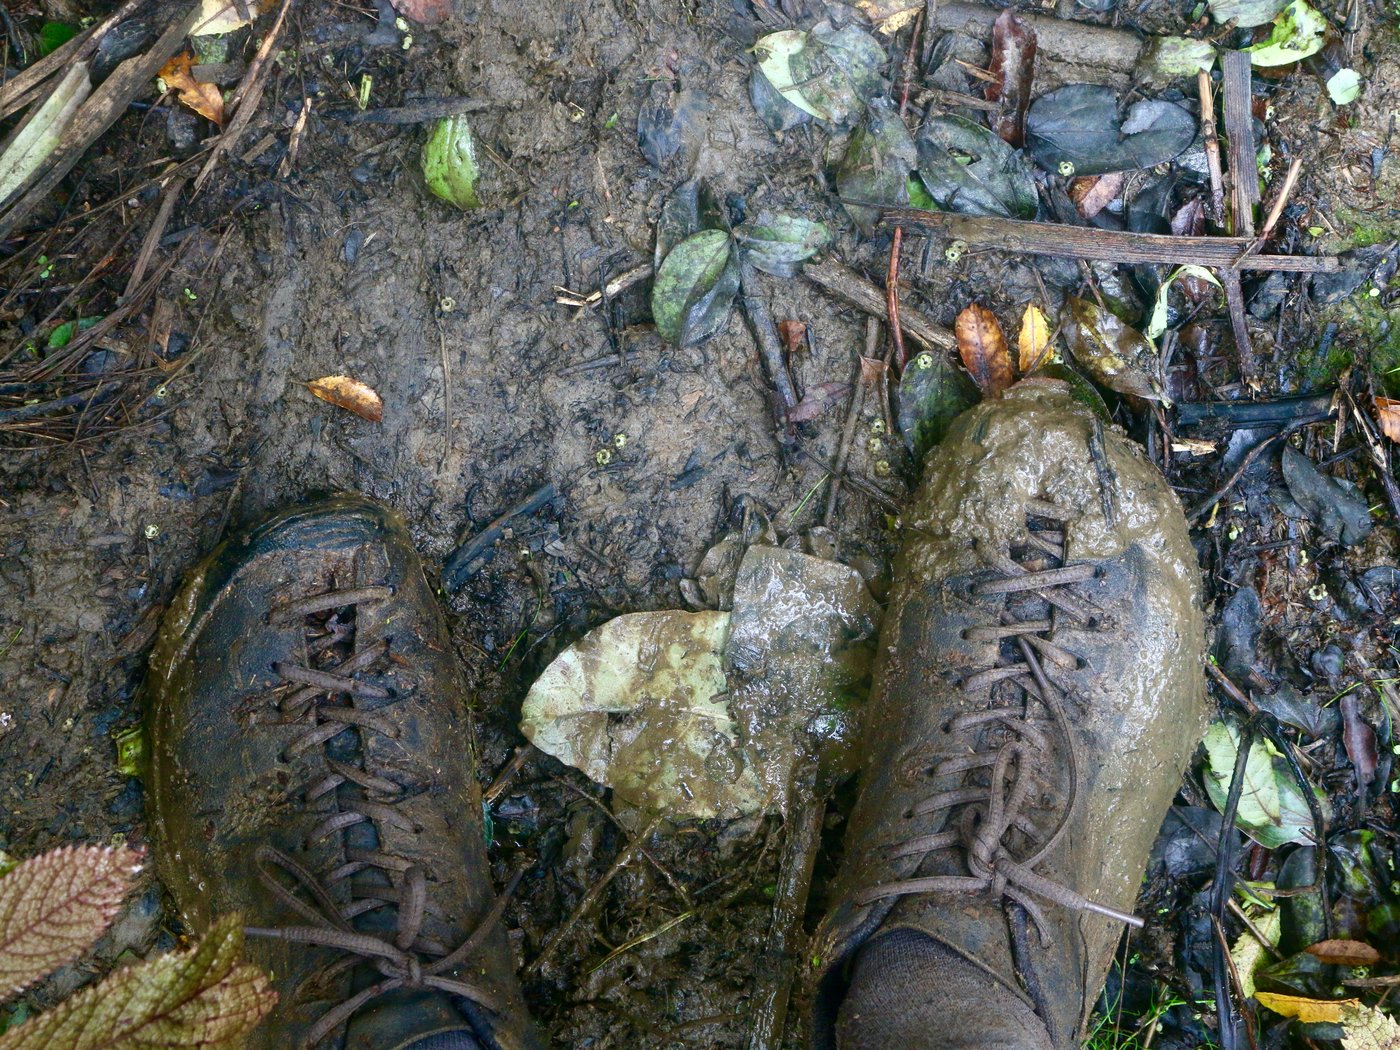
[[1033, 344], [1306, 1010], [349, 394], [205, 99], [890, 16], [1248, 952], [1369, 1029]]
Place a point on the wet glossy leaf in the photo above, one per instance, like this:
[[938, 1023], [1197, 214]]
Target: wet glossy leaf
[[1299, 31], [1169, 59], [932, 393], [1246, 13], [201, 998], [1344, 953], [827, 73], [1033, 342], [349, 394], [426, 12], [779, 244], [1157, 323], [53, 907], [876, 167], [983, 349], [1337, 508], [449, 162], [1080, 124], [1344, 86], [967, 168], [694, 288], [205, 99], [1305, 1010], [772, 108], [1111, 352], [1013, 67], [1369, 1029], [1272, 809], [658, 127], [890, 16]]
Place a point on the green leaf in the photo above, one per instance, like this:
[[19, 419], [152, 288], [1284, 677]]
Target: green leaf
[[449, 162], [827, 73], [690, 208], [1248, 952], [876, 167], [1272, 809], [54, 35], [1299, 31], [53, 907], [692, 292], [63, 334], [919, 196], [1157, 323], [199, 998], [1344, 86], [968, 168], [778, 244], [932, 393]]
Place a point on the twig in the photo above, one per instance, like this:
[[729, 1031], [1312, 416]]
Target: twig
[[770, 346], [1281, 200], [892, 300], [807, 808], [469, 559], [1212, 140], [611, 290], [418, 111], [154, 234], [245, 100], [523, 754], [848, 432], [1085, 242], [22, 87], [1244, 194], [625, 857], [847, 285], [1245, 464]]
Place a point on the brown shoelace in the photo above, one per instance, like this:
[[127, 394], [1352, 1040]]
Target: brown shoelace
[[405, 958], [1011, 735]]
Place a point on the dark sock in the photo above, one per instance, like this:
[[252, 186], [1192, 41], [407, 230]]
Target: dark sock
[[910, 992], [447, 1041]]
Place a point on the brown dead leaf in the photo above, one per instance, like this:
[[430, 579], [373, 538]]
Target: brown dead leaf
[[1388, 414], [205, 99], [1306, 1010], [1344, 953], [349, 394], [983, 349], [794, 334], [1013, 74], [1033, 344], [425, 12], [890, 16], [1093, 193]]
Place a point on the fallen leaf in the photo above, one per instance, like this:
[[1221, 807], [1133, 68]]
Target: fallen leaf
[[1013, 70], [1092, 194], [1369, 1029], [967, 168], [1388, 414], [1335, 505], [450, 168], [1167, 60], [793, 333], [53, 907], [1304, 1009], [1344, 86], [1033, 344], [217, 17], [694, 288], [827, 73], [205, 99], [777, 244], [1082, 126], [1299, 31], [1157, 323], [1271, 810], [890, 16], [1344, 953], [425, 12], [1246, 14], [983, 349], [817, 401], [1359, 739], [1112, 352], [1248, 951], [349, 394], [876, 167], [932, 393]]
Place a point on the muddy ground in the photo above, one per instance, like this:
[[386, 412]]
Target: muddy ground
[[337, 261]]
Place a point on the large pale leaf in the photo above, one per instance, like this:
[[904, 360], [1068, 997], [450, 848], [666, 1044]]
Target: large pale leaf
[[1248, 952], [1246, 13], [779, 244], [1299, 31], [827, 73], [1309, 1011], [1368, 1029], [53, 907], [1272, 809], [198, 998]]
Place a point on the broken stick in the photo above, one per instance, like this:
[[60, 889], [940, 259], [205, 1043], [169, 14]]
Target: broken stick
[[850, 287]]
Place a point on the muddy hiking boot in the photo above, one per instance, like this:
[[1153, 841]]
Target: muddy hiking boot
[[1037, 699], [311, 769]]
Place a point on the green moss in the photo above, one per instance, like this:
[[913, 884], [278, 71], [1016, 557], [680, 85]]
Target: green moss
[[1359, 230], [1368, 335]]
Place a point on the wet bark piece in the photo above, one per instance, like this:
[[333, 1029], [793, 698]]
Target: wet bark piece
[[1066, 51]]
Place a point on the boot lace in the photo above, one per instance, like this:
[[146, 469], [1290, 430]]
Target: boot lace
[[1018, 710], [321, 697]]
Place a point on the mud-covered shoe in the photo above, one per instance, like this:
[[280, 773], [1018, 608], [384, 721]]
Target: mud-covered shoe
[[1038, 695], [310, 767]]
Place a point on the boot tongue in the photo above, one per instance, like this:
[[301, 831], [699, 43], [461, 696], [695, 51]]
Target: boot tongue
[[410, 1020]]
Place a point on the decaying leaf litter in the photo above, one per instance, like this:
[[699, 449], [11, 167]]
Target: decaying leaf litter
[[870, 117]]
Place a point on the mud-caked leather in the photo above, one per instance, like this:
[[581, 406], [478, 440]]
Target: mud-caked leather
[[367, 787], [1132, 698]]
